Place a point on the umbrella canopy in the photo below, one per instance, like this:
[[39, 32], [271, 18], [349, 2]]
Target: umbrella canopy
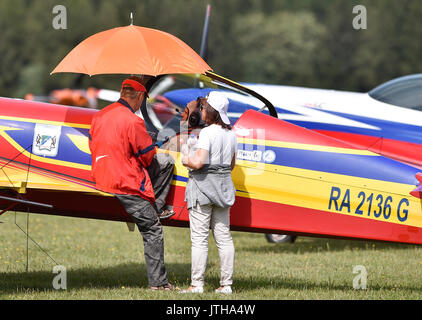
[[132, 50]]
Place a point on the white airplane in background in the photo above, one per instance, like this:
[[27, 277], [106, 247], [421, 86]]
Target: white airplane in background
[[386, 120]]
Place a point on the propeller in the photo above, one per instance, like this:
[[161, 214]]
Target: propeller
[[203, 52], [204, 43]]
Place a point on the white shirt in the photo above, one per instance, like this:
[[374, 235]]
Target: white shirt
[[220, 143]]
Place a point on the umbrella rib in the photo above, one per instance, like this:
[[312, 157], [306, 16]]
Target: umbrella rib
[[145, 44]]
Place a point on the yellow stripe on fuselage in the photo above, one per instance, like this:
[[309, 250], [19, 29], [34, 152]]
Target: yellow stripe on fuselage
[[322, 191], [81, 142]]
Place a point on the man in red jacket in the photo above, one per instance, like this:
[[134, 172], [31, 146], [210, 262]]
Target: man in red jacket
[[122, 151]]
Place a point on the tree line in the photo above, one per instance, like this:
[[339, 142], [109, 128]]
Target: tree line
[[308, 43]]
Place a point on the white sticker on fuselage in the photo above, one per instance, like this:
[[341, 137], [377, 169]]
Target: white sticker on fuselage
[[46, 140], [253, 155]]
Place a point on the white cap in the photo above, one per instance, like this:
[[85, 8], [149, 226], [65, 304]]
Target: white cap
[[219, 102]]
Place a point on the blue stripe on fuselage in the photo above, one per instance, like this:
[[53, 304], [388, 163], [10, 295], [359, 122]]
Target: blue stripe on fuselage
[[67, 151], [370, 167]]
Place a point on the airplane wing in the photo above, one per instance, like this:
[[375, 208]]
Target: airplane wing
[[21, 177], [24, 187]]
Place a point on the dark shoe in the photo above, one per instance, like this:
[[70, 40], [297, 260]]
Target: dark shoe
[[166, 287], [166, 213]]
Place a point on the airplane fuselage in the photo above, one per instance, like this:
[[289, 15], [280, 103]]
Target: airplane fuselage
[[288, 179]]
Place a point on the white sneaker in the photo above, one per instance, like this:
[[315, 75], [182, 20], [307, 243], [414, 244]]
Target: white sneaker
[[193, 289], [224, 289]]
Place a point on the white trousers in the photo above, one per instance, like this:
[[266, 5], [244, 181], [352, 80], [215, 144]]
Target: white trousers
[[201, 218]]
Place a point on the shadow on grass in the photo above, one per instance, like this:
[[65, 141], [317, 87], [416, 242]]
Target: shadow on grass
[[114, 277], [306, 244], [134, 276]]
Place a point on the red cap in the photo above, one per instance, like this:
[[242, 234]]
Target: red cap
[[135, 85]]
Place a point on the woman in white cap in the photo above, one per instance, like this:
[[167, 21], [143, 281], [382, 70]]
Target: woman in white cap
[[210, 192]]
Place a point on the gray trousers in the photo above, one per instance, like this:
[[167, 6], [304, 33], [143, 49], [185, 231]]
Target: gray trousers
[[144, 214], [160, 172], [145, 217]]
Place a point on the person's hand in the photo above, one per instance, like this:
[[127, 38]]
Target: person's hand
[[184, 149], [185, 160], [160, 143]]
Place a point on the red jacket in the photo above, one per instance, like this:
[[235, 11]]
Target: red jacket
[[121, 149]]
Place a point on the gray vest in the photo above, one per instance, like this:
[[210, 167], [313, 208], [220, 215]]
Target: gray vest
[[212, 184]]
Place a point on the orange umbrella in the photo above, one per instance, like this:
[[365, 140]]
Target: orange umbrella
[[132, 50]]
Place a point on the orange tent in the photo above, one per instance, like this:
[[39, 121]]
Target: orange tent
[[132, 50]]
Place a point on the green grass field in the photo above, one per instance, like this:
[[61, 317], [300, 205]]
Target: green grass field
[[105, 261]]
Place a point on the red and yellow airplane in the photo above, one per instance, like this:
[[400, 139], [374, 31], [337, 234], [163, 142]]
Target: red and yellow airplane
[[289, 180]]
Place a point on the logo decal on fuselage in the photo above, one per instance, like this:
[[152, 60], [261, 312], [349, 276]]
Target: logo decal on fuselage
[[46, 140], [269, 156]]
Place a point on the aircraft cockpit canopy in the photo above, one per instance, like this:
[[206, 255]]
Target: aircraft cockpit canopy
[[403, 92], [170, 95]]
